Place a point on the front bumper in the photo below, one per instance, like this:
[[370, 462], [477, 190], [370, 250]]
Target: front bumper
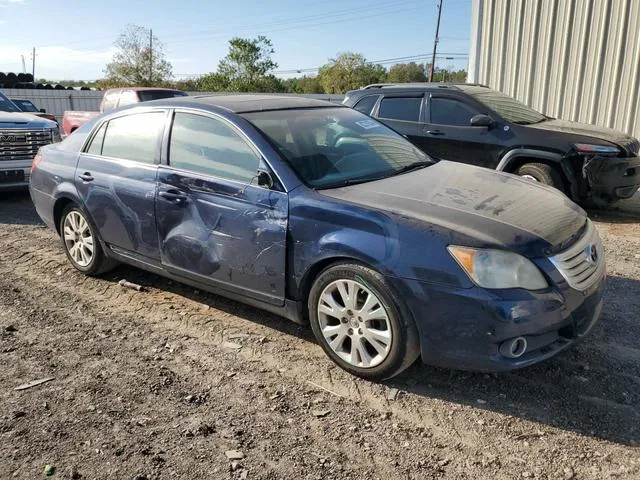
[[613, 178], [464, 328], [10, 186]]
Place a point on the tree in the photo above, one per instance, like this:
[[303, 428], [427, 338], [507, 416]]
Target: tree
[[131, 63], [349, 71], [407, 72], [245, 68], [304, 85]]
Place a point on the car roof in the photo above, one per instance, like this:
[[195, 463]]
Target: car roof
[[247, 103], [146, 89], [418, 86]]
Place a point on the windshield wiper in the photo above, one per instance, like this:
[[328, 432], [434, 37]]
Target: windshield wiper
[[414, 166]]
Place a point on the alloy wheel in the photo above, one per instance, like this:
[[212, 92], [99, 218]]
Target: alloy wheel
[[78, 238], [355, 323]]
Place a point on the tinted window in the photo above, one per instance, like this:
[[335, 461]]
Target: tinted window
[[95, 148], [7, 105], [446, 111], [212, 147], [400, 109], [331, 147], [147, 95], [133, 137], [110, 100], [365, 105], [128, 97], [25, 105]]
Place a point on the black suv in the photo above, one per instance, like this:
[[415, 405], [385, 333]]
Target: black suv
[[473, 124]]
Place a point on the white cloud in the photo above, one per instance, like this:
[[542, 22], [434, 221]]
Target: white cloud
[[58, 62]]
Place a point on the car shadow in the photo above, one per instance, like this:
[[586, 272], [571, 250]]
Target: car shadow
[[623, 211], [16, 208], [592, 389]]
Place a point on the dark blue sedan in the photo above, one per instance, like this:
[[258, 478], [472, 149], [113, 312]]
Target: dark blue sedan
[[323, 215]]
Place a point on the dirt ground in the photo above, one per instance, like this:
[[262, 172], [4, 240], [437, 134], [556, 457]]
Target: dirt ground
[[171, 382]]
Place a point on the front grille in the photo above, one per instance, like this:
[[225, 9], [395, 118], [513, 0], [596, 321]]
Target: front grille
[[22, 144], [582, 264], [632, 148]]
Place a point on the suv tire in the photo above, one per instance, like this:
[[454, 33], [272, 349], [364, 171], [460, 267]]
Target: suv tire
[[543, 173]]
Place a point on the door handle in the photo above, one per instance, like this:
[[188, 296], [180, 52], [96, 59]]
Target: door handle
[[175, 196], [86, 177], [435, 132]]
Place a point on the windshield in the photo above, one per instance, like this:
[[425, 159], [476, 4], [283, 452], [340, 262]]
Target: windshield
[[25, 105], [148, 95], [7, 105], [508, 108], [331, 147]]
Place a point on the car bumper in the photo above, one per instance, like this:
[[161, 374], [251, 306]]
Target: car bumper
[[12, 185], [465, 328], [613, 178]]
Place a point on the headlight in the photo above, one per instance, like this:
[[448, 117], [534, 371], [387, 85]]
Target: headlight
[[498, 268], [55, 135], [602, 149]]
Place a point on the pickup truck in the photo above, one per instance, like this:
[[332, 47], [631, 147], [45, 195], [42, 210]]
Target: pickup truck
[[115, 98], [21, 136]]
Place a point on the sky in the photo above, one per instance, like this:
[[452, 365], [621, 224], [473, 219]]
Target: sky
[[74, 39]]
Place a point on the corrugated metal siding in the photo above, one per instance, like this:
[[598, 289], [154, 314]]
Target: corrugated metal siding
[[573, 59], [58, 101]]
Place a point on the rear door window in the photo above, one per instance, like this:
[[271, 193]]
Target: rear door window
[[134, 137], [448, 111], [400, 108], [366, 104], [95, 147], [211, 147]]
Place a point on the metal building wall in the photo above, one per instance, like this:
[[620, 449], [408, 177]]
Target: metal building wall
[[572, 59], [57, 101]]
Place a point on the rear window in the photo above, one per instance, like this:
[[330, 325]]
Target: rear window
[[148, 95], [133, 137], [400, 108]]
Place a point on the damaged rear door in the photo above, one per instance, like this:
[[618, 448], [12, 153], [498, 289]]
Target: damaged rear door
[[215, 224]]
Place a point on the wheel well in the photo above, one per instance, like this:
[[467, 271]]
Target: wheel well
[[311, 274], [520, 161], [58, 208]]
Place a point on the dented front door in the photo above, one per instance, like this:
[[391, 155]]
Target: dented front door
[[224, 233]]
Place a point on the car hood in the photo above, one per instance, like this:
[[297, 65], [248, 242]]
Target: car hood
[[494, 208], [24, 120], [584, 130]]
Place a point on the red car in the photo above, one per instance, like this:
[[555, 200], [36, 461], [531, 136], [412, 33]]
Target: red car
[[115, 98]]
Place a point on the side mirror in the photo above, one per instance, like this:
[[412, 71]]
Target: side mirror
[[264, 179], [482, 120], [42, 110]]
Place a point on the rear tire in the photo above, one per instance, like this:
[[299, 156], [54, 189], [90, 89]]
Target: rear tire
[[357, 322], [81, 242], [543, 173]]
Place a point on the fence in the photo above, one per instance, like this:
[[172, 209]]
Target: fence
[[58, 101]]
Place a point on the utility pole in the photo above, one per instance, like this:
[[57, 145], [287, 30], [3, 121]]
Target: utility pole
[[435, 42], [150, 57], [33, 65]]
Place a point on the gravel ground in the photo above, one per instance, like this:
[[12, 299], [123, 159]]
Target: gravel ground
[[177, 383]]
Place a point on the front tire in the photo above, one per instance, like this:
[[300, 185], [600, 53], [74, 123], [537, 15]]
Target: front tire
[[81, 242], [543, 173], [358, 324]]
